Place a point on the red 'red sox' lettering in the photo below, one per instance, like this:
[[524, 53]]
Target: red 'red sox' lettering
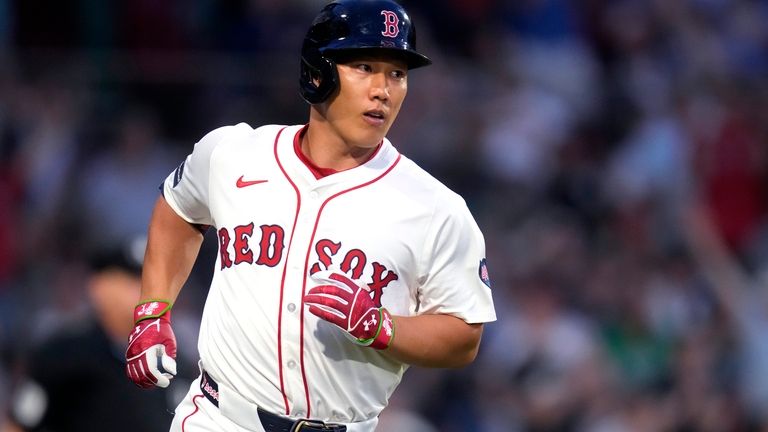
[[353, 264], [270, 247], [270, 253], [224, 239], [243, 252], [355, 261], [325, 249], [379, 281]]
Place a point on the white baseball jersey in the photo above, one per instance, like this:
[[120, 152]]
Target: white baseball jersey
[[386, 222]]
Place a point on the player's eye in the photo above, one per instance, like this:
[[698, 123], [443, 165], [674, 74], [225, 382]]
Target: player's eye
[[399, 74], [364, 67]]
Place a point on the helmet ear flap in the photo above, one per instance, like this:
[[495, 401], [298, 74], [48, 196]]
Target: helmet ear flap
[[319, 77]]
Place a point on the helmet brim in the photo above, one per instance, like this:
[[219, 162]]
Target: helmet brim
[[412, 58]]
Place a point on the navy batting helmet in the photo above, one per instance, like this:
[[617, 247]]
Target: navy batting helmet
[[347, 26]]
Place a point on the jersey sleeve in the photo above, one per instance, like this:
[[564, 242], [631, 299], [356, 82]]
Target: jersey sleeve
[[455, 274], [186, 189]]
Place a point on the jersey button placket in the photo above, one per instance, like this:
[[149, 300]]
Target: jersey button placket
[[294, 283], [291, 330]]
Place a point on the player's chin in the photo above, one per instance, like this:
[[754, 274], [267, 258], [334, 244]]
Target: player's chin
[[369, 142], [374, 133], [368, 138]]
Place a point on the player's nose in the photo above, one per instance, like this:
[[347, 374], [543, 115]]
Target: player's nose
[[379, 86]]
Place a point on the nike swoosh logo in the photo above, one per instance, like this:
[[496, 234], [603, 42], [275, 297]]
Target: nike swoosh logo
[[245, 183]]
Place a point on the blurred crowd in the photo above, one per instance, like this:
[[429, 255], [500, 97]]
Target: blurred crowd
[[614, 153]]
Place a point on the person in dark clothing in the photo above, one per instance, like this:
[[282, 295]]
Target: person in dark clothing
[[75, 380]]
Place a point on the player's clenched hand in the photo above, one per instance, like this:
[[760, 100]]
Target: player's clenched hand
[[341, 301], [151, 353]]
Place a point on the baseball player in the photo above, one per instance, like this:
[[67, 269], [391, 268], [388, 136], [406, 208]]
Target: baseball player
[[341, 262]]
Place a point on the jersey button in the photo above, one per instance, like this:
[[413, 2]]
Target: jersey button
[[291, 307], [291, 364], [313, 194], [300, 413]]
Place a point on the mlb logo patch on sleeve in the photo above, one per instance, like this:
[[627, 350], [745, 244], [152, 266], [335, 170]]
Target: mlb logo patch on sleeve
[[178, 173], [483, 272]]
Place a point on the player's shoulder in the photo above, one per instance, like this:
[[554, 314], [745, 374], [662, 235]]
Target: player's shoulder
[[235, 132], [223, 132], [446, 206], [241, 134], [423, 182]]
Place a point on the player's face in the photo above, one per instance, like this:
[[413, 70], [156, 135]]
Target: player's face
[[371, 92]]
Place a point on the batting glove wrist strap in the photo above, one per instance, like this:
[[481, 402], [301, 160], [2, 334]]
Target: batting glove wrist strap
[[348, 304], [152, 309], [151, 354], [385, 332]]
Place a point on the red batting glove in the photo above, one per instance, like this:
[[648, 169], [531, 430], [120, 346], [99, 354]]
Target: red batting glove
[[341, 301], [151, 353]]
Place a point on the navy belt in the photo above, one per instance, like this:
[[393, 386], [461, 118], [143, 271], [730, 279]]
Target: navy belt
[[271, 422]]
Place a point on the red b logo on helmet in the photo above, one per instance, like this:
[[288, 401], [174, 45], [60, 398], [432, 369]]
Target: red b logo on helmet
[[390, 24]]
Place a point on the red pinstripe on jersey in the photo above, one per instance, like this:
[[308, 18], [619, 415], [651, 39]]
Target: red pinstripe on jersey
[[282, 280], [197, 408]]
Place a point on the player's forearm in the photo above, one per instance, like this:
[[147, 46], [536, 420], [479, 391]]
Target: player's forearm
[[442, 341], [172, 248]]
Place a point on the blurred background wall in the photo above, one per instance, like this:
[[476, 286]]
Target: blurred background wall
[[614, 152]]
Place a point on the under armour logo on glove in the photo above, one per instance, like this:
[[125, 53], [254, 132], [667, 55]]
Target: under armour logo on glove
[[151, 354], [370, 322], [348, 304]]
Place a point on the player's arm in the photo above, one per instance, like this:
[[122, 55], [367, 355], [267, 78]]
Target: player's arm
[[442, 341], [450, 298], [430, 340], [172, 248]]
